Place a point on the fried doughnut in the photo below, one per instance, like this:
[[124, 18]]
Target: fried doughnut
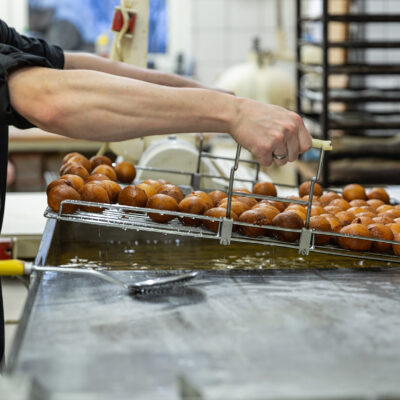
[[162, 202]]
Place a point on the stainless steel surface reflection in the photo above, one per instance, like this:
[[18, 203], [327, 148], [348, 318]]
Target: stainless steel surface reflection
[[308, 332]]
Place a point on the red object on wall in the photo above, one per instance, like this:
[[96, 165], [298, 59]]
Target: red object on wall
[[5, 249], [118, 22], [132, 23]]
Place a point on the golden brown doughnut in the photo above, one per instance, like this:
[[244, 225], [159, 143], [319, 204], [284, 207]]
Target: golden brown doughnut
[[95, 161], [94, 193], [327, 197], [171, 190], [162, 202], [290, 220], [150, 190], [380, 231], [126, 171], [68, 156], [204, 196], [238, 207], [63, 192], [320, 223], [81, 160], [97, 177], [71, 168], [216, 212], [396, 247], [76, 181], [217, 196], [353, 192], [265, 189], [256, 217], [192, 205], [132, 196], [57, 182], [355, 244], [105, 170], [305, 188], [379, 194]]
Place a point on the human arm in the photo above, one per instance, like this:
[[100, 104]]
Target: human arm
[[98, 106], [87, 61]]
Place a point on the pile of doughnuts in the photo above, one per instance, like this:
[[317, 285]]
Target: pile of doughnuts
[[93, 180], [353, 212]]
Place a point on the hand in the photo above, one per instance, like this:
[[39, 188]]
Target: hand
[[265, 130]]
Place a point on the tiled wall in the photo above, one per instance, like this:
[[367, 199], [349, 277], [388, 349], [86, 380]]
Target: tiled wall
[[222, 31]]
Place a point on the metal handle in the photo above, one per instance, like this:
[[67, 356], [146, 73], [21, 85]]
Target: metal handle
[[322, 144]]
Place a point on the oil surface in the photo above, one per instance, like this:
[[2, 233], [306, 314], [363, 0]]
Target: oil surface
[[197, 254]]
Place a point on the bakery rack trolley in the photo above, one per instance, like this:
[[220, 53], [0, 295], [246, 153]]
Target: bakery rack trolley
[[137, 218], [359, 119]]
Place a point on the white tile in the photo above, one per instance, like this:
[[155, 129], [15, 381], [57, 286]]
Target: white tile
[[208, 74], [209, 45], [267, 13], [288, 13], [269, 39], [244, 13], [209, 13], [241, 44]]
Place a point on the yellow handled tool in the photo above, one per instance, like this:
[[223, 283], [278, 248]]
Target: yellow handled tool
[[17, 268], [12, 268]]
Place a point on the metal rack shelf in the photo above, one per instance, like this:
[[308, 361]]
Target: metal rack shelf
[[355, 18], [350, 121], [350, 44], [357, 71], [350, 95], [352, 69]]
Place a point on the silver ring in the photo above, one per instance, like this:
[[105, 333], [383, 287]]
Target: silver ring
[[279, 156]]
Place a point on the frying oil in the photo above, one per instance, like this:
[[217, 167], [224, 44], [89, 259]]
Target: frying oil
[[197, 254]]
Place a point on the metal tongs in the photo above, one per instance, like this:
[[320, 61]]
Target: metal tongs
[[19, 268]]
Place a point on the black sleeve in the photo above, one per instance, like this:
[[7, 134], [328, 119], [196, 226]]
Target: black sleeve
[[17, 51], [37, 47]]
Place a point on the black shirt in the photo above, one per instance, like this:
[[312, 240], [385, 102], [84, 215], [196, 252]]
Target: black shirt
[[17, 51]]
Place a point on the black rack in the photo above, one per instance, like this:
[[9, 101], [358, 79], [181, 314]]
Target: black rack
[[356, 98]]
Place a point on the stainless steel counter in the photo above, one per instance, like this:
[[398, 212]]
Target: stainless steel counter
[[232, 334]]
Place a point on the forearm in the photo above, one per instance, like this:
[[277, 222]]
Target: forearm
[[88, 61], [97, 106]]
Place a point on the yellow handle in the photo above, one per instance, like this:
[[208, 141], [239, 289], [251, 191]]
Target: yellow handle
[[11, 268], [322, 144]]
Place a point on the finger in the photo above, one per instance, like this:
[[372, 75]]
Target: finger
[[280, 149], [263, 154], [305, 139], [292, 140], [281, 163]]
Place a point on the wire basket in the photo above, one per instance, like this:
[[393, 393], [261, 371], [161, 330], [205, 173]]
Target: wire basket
[[137, 218]]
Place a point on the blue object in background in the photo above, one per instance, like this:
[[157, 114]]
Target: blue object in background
[[158, 26], [93, 18]]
